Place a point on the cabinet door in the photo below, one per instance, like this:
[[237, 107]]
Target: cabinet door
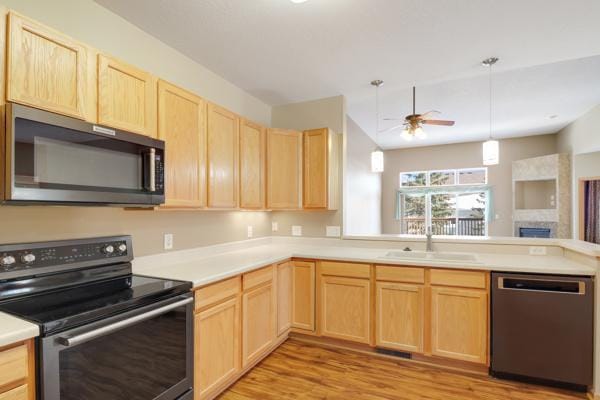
[[217, 346], [182, 125], [126, 97], [18, 393], [258, 327], [345, 308], [49, 70], [252, 165], [284, 297], [284, 169], [223, 154], [399, 322], [459, 324], [303, 295], [315, 168]]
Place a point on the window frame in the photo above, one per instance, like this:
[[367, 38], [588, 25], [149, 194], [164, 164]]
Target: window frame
[[455, 194]]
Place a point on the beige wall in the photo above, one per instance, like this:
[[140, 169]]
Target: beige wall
[[362, 187], [92, 24], [328, 112], [463, 155], [583, 135]]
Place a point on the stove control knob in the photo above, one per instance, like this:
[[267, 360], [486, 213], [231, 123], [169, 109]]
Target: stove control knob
[[122, 248], [108, 249], [28, 258], [7, 261]]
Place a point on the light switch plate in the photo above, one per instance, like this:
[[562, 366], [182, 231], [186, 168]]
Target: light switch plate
[[250, 231], [274, 226], [537, 250], [168, 242], [333, 231], [296, 230]]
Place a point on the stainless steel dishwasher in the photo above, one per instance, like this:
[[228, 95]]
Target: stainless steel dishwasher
[[543, 329]]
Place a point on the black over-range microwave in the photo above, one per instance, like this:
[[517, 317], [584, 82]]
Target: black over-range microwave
[[51, 158]]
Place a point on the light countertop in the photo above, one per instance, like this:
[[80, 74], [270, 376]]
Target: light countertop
[[13, 330], [205, 269]]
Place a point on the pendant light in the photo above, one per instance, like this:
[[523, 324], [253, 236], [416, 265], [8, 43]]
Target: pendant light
[[491, 148], [377, 154]]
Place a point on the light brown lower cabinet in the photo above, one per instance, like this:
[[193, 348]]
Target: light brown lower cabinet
[[459, 323], [345, 308], [400, 316], [17, 371], [18, 393], [217, 347], [284, 297], [258, 328], [303, 295]]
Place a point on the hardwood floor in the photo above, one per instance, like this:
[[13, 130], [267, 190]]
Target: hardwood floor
[[298, 370]]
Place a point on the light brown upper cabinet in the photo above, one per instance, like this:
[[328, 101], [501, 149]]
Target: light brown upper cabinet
[[321, 169], [126, 97], [182, 125], [223, 157], [49, 70], [252, 165], [284, 169]]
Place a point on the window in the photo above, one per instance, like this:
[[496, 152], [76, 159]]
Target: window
[[452, 202]]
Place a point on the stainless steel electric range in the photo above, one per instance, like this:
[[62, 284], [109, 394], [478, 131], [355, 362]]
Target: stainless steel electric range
[[104, 332]]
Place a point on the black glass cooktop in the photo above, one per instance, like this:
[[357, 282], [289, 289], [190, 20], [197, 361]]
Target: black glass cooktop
[[67, 308]]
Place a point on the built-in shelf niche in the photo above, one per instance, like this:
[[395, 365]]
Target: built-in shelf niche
[[535, 194]]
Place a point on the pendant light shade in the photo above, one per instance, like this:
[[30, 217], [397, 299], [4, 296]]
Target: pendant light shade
[[377, 161], [377, 154], [491, 152], [491, 148]]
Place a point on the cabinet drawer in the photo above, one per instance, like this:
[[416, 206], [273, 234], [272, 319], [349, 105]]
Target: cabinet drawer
[[217, 292], [19, 393], [13, 364], [400, 274], [255, 278], [351, 270], [467, 279]]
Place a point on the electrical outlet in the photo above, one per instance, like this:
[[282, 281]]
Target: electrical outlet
[[537, 250], [168, 241], [250, 233], [296, 230], [274, 226], [333, 231]]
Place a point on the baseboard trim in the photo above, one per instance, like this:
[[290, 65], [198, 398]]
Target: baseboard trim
[[431, 361]]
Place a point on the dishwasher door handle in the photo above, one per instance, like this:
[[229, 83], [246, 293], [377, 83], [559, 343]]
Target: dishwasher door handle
[[542, 285]]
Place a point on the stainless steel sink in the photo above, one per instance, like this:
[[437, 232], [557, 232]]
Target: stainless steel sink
[[441, 256]]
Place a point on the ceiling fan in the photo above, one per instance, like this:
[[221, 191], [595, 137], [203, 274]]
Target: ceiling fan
[[413, 123]]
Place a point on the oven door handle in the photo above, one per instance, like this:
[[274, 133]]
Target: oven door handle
[[105, 330]]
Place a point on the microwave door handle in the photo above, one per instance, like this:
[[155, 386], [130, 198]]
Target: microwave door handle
[[105, 330], [151, 165]]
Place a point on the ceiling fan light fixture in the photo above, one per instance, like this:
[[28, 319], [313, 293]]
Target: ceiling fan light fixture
[[420, 133], [407, 134]]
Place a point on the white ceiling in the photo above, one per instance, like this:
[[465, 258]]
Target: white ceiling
[[283, 52]]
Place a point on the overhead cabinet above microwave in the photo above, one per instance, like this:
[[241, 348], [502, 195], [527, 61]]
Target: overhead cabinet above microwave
[[51, 158]]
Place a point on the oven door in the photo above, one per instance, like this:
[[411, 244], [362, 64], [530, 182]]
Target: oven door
[[144, 354], [53, 158]]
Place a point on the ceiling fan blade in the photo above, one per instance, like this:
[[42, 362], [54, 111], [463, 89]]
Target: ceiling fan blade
[[393, 119], [393, 128], [424, 115], [437, 122]]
